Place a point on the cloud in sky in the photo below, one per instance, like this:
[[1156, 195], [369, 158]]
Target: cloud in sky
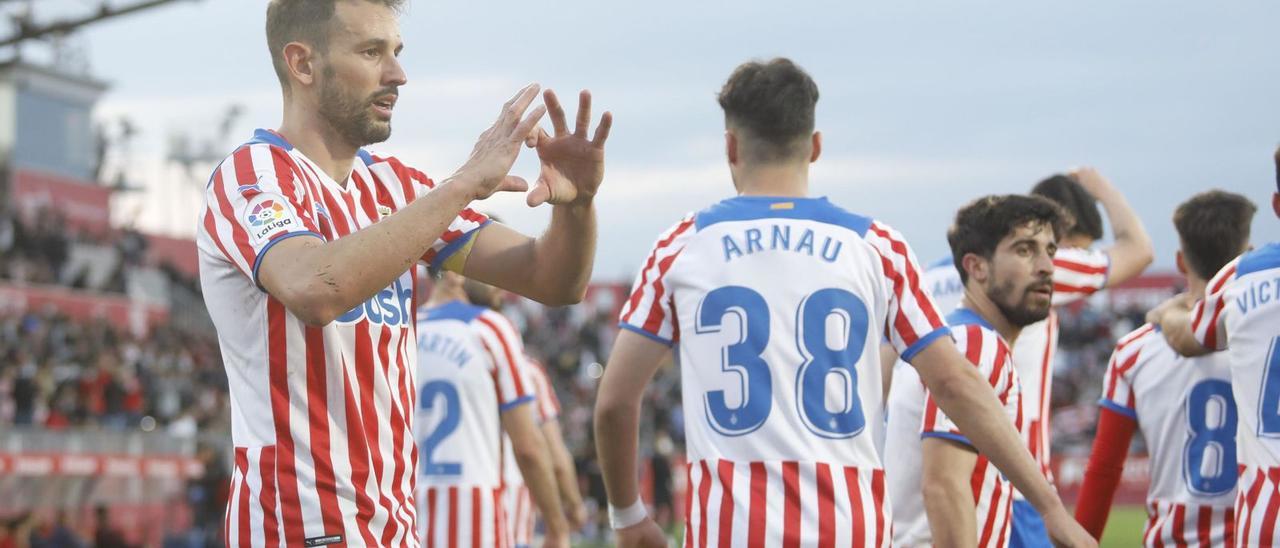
[[924, 105]]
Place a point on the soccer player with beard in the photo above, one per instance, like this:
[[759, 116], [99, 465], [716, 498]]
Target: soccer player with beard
[[1003, 247], [309, 246], [1080, 270]]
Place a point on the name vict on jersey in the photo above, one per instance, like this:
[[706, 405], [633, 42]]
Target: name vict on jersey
[[779, 238], [1259, 294], [446, 347]]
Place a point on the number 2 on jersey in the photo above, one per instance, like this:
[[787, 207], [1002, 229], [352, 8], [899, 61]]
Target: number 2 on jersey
[[448, 423], [744, 358]]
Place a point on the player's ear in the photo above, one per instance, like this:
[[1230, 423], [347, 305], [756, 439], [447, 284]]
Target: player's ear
[[1181, 262], [975, 266], [817, 147], [731, 146], [300, 62], [1275, 203]]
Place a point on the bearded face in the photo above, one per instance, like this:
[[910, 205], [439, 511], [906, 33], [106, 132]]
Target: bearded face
[[360, 119], [1021, 281], [1022, 303]]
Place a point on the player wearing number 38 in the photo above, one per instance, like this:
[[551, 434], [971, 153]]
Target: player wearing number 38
[[775, 304]]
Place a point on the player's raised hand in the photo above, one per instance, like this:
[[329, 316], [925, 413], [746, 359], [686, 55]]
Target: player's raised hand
[[487, 170], [645, 534], [1092, 181], [572, 164]]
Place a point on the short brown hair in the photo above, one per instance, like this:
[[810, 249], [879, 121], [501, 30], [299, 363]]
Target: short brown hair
[[773, 100], [303, 21], [981, 225], [1214, 228]]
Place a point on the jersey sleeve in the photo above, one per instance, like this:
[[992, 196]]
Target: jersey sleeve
[[548, 406], [451, 249], [650, 310], [913, 320], [1206, 315], [510, 373], [993, 359], [1117, 388], [253, 201], [1102, 474], [1079, 273]]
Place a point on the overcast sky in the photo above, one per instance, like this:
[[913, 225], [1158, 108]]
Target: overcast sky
[[925, 105]]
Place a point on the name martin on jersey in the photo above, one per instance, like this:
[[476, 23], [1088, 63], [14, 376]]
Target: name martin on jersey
[[446, 347], [752, 240]]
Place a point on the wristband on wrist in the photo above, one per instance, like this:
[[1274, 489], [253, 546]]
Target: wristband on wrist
[[621, 518]]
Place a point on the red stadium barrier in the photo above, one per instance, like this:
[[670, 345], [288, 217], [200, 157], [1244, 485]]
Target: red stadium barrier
[[81, 305], [65, 464], [82, 205]]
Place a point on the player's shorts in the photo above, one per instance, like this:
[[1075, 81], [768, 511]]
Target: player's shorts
[[1257, 505], [1028, 529]]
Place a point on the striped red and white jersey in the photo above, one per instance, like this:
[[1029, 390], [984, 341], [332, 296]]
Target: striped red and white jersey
[[470, 370], [992, 493], [519, 502], [1240, 312], [776, 308], [1188, 418], [321, 416], [904, 412], [1257, 507], [1078, 273]]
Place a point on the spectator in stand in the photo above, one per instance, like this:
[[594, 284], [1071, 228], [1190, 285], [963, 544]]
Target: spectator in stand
[[107, 536], [54, 532]]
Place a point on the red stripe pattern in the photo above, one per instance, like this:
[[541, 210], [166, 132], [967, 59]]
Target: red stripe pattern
[[1257, 506], [786, 503], [1206, 315], [1078, 273], [323, 414], [649, 308], [992, 493]]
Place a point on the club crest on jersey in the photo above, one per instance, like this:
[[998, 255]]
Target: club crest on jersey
[[391, 306], [268, 215], [383, 212]]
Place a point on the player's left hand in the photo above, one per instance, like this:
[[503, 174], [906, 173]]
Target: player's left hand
[[572, 165]]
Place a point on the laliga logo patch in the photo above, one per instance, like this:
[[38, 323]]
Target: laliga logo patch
[[265, 213], [267, 216]]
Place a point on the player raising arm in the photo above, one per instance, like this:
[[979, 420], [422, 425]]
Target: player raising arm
[[776, 303], [308, 249]]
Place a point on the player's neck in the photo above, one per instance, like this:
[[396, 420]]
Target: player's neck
[[319, 142], [773, 180], [444, 295], [1196, 284], [987, 310]]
